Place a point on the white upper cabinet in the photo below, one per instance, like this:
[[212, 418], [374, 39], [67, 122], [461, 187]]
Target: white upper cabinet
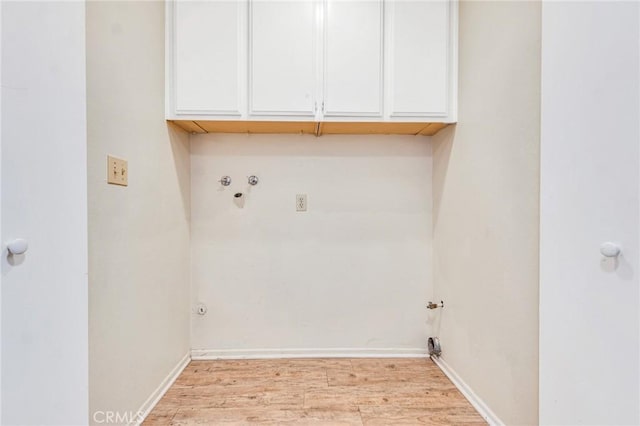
[[418, 58], [392, 61], [283, 58], [208, 54], [353, 58]]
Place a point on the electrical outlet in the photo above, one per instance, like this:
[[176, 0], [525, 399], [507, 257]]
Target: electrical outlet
[[117, 171], [301, 202]]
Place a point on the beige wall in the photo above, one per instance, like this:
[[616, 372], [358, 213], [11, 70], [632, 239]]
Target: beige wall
[[138, 235], [486, 210], [348, 277]]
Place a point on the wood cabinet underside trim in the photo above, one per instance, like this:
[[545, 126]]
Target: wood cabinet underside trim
[[310, 127]]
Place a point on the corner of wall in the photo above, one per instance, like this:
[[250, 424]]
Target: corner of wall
[[486, 212], [139, 242]]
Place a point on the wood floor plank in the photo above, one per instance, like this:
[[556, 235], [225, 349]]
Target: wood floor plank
[[212, 416], [356, 396], [364, 379], [313, 391], [375, 372], [412, 416]]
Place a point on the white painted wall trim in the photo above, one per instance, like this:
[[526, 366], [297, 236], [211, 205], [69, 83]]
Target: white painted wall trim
[[468, 393], [157, 395], [211, 354]]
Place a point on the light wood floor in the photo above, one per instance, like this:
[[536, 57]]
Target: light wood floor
[[318, 391]]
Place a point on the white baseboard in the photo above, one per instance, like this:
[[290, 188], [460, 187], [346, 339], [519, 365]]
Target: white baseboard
[[468, 393], [157, 395], [211, 354]]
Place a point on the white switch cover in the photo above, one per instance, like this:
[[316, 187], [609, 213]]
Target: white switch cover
[[301, 202]]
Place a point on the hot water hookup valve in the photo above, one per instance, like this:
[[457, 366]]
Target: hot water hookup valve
[[432, 305]]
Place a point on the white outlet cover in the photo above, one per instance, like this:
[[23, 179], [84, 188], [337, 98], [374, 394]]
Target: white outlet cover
[[301, 202]]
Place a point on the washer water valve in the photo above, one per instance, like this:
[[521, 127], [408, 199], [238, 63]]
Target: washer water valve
[[432, 305]]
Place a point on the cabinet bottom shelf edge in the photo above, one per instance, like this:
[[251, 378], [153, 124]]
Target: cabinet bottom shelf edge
[[311, 127]]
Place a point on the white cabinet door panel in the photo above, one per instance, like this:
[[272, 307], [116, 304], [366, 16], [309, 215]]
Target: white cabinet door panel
[[418, 57], [332, 60], [208, 53], [353, 58], [282, 57]]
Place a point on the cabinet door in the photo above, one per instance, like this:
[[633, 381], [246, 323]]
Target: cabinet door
[[282, 67], [418, 57], [353, 58], [207, 54]]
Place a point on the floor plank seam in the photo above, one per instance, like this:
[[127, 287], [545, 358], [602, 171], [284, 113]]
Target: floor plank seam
[[173, 417], [361, 418]]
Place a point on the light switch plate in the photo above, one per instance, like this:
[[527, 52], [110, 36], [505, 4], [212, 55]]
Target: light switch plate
[[117, 171]]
